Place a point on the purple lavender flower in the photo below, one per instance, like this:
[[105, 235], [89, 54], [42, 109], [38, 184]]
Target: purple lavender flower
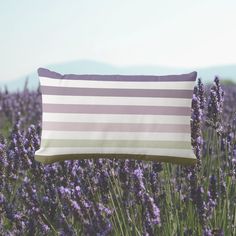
[[2, 199], [139, 187], [196, 127], [213, 187], [103, 183], [153, 210], [215, 107], [201, 94], [207, 232]]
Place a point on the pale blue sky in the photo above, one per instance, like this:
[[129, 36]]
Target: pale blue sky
[[178, 33]]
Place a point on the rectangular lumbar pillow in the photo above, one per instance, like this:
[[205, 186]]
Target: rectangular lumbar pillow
[[144, 117]]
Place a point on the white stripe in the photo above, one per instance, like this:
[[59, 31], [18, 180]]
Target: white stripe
[[174, 102], [186, 85], [188, 153], [116, 118], [97, 135]]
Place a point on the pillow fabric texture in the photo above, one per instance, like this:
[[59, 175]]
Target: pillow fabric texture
[[143, 117]]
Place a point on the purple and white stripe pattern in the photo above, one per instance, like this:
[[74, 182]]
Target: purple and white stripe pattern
[[115, 114]]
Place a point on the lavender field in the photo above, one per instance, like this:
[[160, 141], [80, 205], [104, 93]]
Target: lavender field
[[119, 197]]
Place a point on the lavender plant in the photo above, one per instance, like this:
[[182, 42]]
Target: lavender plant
[[119, 197]]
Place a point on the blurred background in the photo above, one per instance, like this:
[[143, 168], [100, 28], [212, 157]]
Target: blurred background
[[116, 37]]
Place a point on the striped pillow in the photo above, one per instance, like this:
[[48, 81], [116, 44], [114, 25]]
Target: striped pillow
[[143, 117]]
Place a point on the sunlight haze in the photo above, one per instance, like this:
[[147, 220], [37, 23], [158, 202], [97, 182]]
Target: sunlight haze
[[183, 33]]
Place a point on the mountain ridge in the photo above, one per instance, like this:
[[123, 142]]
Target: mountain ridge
[[207, 74]]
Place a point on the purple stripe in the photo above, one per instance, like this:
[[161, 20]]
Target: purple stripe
[[54, 75], [116, 109], [115, 127], [164, 93]]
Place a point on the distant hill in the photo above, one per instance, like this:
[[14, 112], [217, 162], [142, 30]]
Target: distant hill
[[225, 72]]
